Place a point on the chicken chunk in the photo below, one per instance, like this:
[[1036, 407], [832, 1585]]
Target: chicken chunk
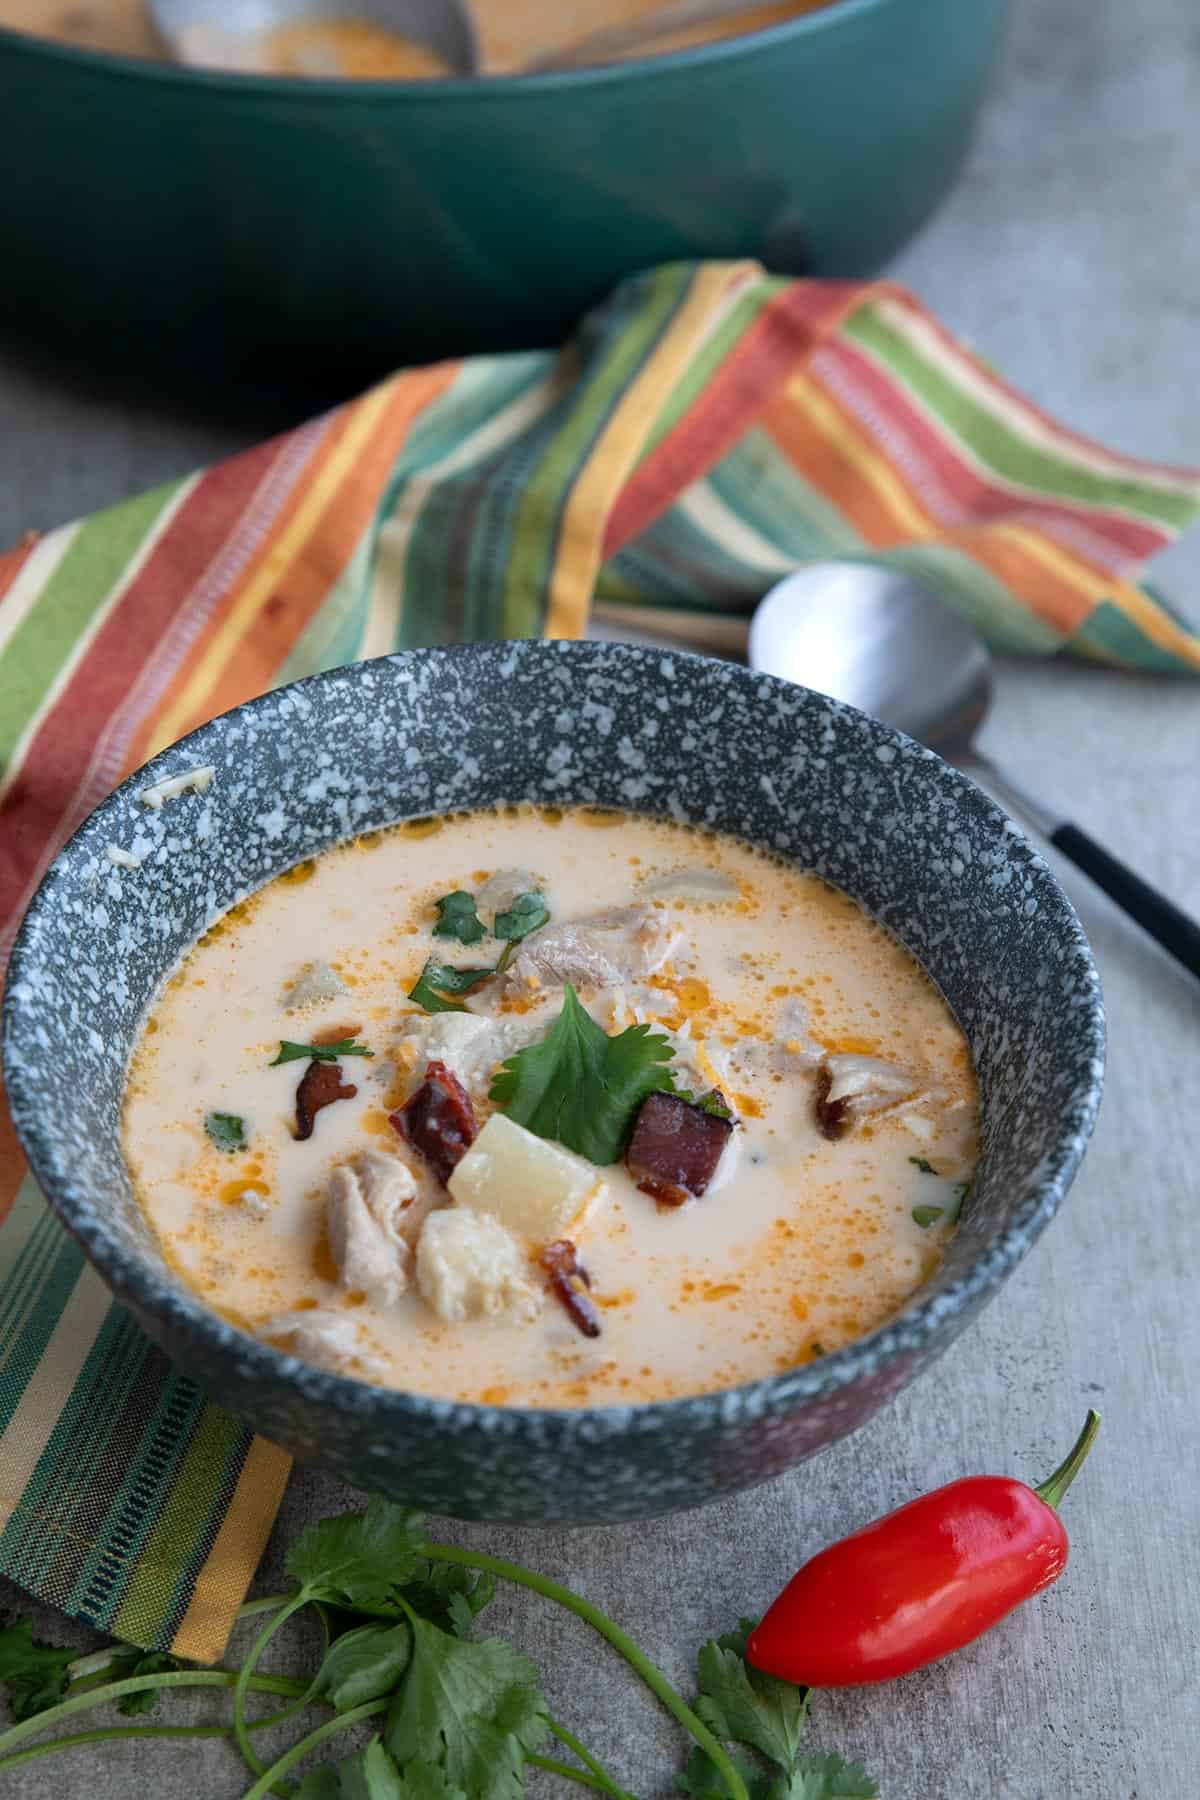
[[852, 1087], [327, 1339], [469, 1267], [604, 949], [535, 1189], [365, 1219]]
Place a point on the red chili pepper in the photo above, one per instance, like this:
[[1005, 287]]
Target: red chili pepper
[[920, 1582]]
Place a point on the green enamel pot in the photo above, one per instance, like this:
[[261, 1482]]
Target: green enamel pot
[[270, 228]]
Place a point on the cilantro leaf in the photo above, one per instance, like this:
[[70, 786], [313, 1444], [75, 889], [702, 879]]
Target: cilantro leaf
[[926, 1168], [34, 1674], [826, 1777], [474, 1710], [320, 1784], [714, 1102], [526, 914], [359, 1559], [363, 1664], [961, 1190], [226, 1130], [742, 1704], [704, 1781], [155, 1662], [448, 1595], [372, 1775], [289, 1052], [458, 919], [427, 1781], [581, 1087], [925, 1216], [450, 980]]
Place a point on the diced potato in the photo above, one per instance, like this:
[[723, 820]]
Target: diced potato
[[469, 1267], [537, 1190]]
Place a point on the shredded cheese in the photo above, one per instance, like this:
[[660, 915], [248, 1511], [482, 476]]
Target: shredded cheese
[[196, 781], [123, 859]]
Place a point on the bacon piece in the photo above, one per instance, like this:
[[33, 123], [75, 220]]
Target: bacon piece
[[438, 1120], [569, 1281], [320, 1085], [675, 1148], [833, 1116]]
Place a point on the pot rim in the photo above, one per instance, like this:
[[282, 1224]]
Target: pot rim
[[457, 90]]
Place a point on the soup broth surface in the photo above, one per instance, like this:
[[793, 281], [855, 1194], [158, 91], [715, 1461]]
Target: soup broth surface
[[763, 980]]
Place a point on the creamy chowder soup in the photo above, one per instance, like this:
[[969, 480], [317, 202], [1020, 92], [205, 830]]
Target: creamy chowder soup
[[543, 1108]]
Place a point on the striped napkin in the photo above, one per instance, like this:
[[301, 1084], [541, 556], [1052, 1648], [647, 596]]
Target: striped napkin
[[709, 429]]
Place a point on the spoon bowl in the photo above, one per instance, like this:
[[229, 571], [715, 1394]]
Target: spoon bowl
[[875, 637]]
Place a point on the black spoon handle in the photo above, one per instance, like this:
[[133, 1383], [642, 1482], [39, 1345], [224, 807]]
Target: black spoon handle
[[1173, 929]]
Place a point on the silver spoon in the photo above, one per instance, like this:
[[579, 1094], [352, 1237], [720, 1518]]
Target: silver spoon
[[207, 32], [878, 639]]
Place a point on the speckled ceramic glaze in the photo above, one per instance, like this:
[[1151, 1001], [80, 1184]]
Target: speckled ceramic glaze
[[910, 838]]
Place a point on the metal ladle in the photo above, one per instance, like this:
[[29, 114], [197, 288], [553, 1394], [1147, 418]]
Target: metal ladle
[[879, 640], [186, 27], [445, 27]]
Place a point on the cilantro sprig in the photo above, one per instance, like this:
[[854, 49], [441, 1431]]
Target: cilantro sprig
[[527, 913], [455, 1718], [458, 919], [436, 980], [226, 1130], [289, 1052], [766, 1718], [581, 1087]]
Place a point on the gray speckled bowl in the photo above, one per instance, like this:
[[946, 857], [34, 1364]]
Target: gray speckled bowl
[[905, 834]]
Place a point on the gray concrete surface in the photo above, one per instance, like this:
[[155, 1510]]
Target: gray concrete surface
[[1070, 252]]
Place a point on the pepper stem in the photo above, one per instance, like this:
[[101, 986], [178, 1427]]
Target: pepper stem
[[1053, 1489]]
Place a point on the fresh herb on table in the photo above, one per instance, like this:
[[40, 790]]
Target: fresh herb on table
[[318, 1052], [439, 979], [581, 1087], [458, 1718], [226, 1130], [34, 1675], [458, 919]]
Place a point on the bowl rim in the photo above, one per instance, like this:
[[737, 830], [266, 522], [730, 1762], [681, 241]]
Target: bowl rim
[[459, 89], [908, 1331]]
